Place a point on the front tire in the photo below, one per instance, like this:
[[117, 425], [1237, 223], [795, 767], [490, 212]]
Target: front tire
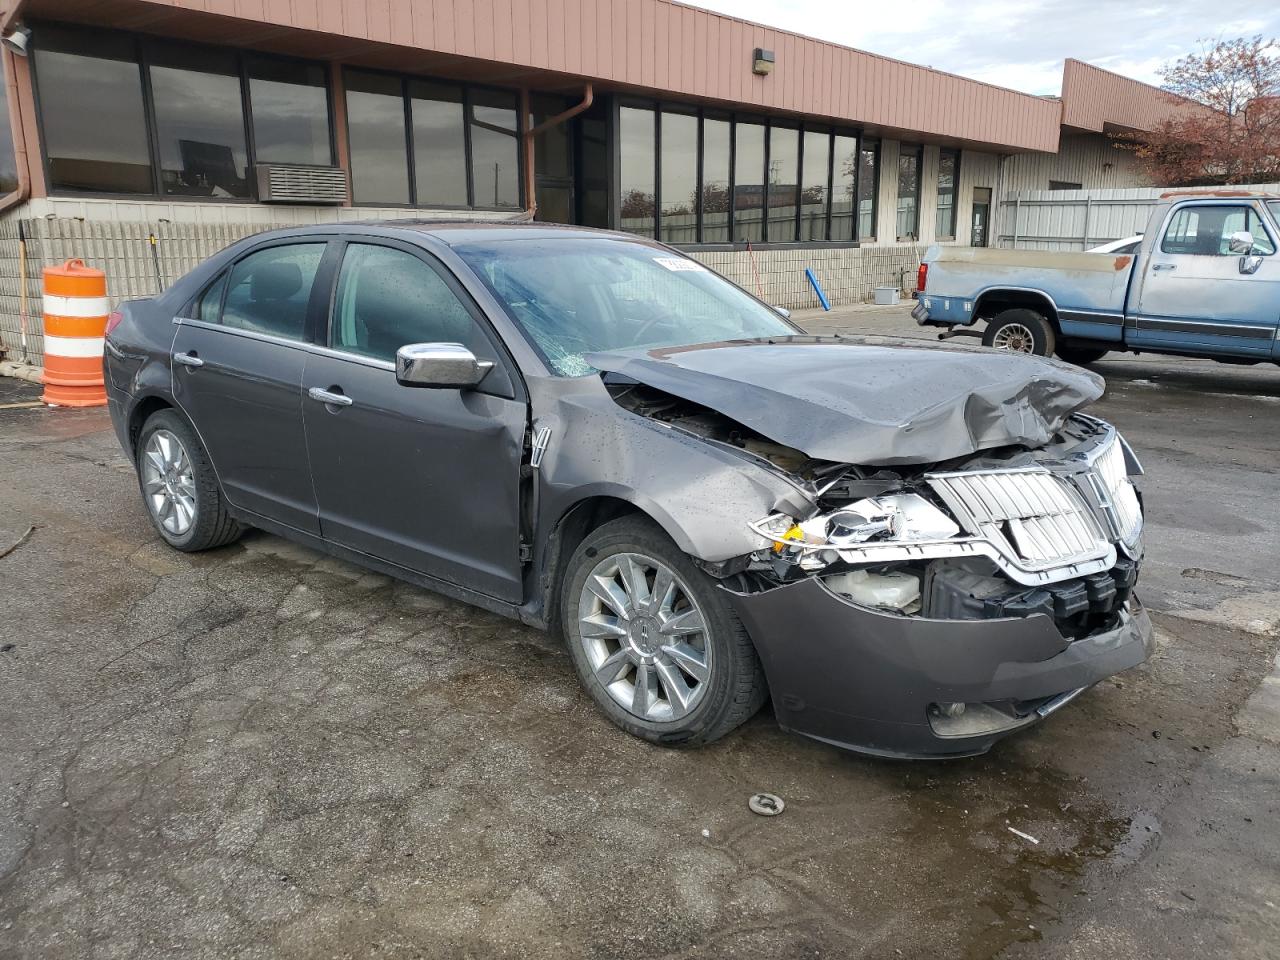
[[1020, 330], [654, 641], [179, 487]]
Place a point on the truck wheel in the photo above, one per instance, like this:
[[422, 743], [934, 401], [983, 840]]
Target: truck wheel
[[1020, 331], [1079, 355], [653, 640]]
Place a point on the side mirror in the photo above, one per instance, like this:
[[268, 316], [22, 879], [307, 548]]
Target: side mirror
[[1240, 242], [439, 365], [1250, 265], [783, 312]]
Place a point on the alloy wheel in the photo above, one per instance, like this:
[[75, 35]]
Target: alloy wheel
[[645, 637], [168, 484], [1014, 337]]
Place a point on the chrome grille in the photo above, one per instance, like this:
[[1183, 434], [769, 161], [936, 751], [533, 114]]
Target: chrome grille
[[1116, 495], [1034, 514]]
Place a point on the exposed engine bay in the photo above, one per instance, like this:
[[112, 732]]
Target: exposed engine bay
[[1008, 532]]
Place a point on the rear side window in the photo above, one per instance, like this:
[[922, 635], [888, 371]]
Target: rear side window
[[1206, 231], [388, 298], [268, 291]]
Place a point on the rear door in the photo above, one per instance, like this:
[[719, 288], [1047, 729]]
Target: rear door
[[1194, 295], [237, 374], [427, 479]]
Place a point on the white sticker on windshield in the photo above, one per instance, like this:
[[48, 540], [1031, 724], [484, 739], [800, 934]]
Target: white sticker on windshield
[[678, 264]]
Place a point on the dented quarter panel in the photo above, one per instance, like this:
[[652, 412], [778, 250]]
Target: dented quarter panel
[[857, 403], [702, 495]]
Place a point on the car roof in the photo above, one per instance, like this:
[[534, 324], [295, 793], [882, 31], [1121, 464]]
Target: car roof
[[457, 232]]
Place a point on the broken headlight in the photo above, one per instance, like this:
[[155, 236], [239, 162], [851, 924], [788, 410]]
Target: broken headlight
[[897, 518]]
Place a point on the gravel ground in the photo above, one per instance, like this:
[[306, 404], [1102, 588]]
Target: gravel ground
[[261, 752]]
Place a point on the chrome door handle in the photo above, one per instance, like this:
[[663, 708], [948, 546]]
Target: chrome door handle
[[1164, 266], [188, 360], [325, 396]]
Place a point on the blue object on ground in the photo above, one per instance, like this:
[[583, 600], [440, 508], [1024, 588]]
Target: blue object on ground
[[817, 288]]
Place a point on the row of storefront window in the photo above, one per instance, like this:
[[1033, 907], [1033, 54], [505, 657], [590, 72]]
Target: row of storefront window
[[125, 114]]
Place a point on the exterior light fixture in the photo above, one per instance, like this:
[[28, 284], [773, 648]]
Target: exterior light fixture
[[17, 39], [762, 62]]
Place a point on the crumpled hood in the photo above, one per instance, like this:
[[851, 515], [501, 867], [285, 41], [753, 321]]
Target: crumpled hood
[[869, 404]]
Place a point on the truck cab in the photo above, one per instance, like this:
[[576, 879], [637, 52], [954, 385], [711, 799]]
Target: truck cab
[[1204, 282]]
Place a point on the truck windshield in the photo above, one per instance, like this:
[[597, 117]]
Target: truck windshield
[[573, 296]]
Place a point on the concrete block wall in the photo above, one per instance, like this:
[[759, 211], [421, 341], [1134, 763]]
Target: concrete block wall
[[847, 274]]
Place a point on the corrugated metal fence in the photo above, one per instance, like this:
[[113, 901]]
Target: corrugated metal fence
[[1079, 219], [140, 259]]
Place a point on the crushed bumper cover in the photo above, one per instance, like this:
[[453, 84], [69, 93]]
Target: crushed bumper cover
[[866, 680]]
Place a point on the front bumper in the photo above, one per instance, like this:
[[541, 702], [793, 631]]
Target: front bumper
[[865, 679]]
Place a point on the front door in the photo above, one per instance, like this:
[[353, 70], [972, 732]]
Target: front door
[[1194, 296], [423, 478], [237, 374]]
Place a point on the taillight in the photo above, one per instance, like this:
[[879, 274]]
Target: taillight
[[113, 320], [922, 277]]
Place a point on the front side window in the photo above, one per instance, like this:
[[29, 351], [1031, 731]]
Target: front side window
[[1206, 231], [199, 122], [909, 193], [95, 128], [388, 298], [268, 291], [575, 296], [948, 168]]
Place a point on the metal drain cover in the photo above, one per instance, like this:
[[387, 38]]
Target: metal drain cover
[[766, 804]]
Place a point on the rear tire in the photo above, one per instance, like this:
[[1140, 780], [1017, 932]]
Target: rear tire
[[179, 487], [1079, 355], [1020, 330], [712, 681]]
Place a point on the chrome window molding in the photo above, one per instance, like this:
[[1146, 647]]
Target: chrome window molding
[[305, 347]]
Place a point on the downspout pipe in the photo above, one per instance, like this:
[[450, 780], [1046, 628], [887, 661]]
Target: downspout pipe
[[23, 190], [588, 98]]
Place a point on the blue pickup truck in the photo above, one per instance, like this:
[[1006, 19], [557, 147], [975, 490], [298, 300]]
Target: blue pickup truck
[[1204, 282]]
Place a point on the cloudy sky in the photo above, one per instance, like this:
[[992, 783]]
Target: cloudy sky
[[1017, 43]]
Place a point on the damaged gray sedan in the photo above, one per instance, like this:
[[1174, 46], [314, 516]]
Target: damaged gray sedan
[[912, 551]]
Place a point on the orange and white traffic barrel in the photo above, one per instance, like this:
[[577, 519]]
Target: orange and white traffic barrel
[[75, 327]]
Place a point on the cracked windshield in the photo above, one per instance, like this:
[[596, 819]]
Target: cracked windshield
[[574, 297]]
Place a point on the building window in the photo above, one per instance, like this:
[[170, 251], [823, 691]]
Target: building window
[[909, 193], [678, 190], [814, 185], [784, 178], [431, 144], [1064, 185], [638, 161], [439, 143], [495, 149], [948, 175], [289, 101], [8, 161], [688, 177], [91, 108], [378, 138], [715, 179], [748, 182], [199, 122], [868, 188], [95, 88]]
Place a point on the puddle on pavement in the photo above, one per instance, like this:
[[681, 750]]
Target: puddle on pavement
[[1017, 887]]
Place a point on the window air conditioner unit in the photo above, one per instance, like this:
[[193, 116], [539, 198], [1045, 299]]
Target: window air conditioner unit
[[296, 183]]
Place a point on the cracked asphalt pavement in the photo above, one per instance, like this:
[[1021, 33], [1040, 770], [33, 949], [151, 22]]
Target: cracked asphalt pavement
[[263, 752]]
